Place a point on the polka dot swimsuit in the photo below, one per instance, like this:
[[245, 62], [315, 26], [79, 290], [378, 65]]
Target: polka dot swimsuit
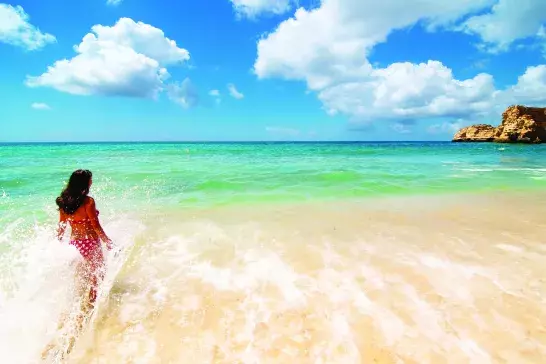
[[90, 249]]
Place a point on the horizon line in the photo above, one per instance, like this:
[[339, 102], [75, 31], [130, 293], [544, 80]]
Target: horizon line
[[219, 141]]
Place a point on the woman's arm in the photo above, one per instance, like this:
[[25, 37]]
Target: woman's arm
[[61, 227], [94, 218]]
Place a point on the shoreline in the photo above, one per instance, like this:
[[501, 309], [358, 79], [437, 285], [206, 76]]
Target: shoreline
[[371, 201]]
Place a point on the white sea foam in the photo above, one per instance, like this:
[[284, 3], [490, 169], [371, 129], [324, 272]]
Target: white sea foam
[[36, 278], [235, 288]]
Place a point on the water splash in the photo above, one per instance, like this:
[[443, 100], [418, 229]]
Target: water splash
[[37, 286]]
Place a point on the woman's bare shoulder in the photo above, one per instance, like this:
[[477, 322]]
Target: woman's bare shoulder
[[89, 200]]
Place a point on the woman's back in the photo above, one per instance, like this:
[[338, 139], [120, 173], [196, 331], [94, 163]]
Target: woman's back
[[81, 221], [78, 210]]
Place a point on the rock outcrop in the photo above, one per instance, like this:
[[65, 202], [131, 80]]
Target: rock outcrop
[[476, 133], [520, 124]]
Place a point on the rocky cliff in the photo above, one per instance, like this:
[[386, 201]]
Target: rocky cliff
[[520, 124]]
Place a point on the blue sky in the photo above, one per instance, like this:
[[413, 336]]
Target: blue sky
[[131, 70]]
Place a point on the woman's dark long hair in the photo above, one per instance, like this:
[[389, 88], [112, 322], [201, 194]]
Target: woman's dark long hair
[[75, 191]]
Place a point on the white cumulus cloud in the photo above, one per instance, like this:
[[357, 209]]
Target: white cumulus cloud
[[253, 8], [15, 29], [234, 93], [328, 47], [113, 2], [331, 43], [530, 89], [508, 21], [184, 93], [40, 106], [127, 59], [142, 38], [409, 91]]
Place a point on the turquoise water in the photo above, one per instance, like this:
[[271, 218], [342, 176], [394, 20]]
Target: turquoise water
[[129, 176], [282, 273]]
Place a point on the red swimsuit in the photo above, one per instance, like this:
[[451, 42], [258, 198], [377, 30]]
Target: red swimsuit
[[90, 249]]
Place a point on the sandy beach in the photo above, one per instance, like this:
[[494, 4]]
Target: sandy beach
[[450, 279]]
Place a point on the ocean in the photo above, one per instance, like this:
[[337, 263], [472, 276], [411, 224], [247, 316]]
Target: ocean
[[348, 252]]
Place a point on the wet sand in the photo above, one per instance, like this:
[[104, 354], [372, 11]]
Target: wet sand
[[445, 279]]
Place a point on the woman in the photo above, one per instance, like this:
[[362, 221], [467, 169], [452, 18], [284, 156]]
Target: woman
[[78, 210]]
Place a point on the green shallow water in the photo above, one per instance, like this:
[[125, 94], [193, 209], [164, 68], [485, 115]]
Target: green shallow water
[[131, 176]]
